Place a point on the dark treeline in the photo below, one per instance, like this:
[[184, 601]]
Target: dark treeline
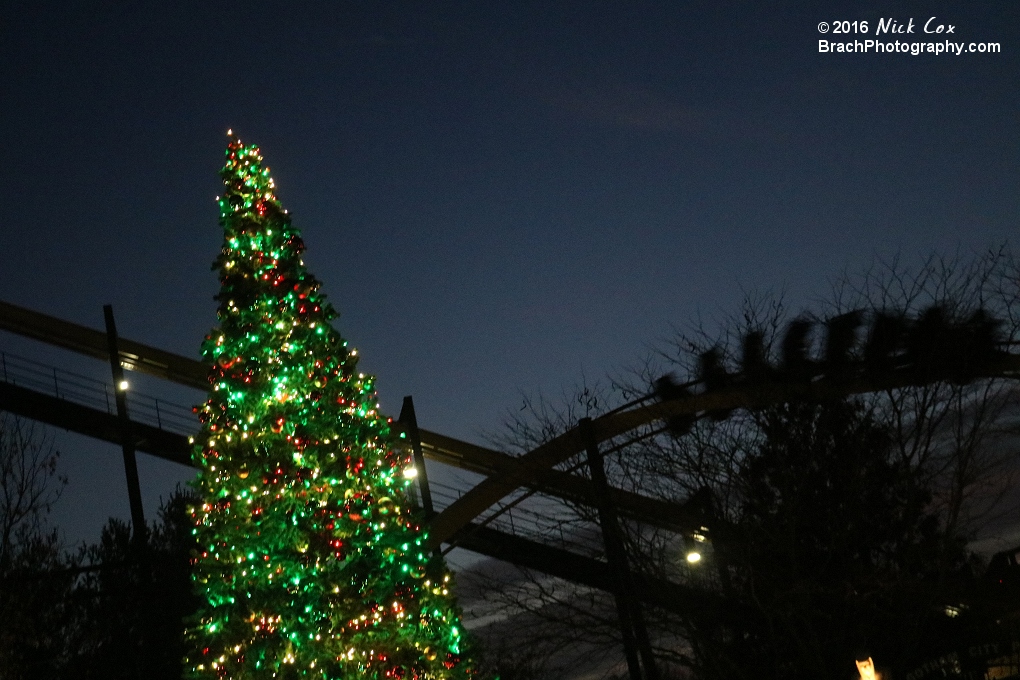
[[114, 609]]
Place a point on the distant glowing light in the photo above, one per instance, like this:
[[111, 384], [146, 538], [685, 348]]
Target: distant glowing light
[[694, 557], [867, 670], [410, 472], [123, 385]]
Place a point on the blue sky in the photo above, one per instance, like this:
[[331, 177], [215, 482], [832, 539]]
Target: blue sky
[[499, 197]]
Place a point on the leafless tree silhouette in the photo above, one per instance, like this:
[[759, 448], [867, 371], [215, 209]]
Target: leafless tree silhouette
[[942, 449]]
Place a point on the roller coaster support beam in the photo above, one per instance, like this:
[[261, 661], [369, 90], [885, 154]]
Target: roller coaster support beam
[[127, 440]]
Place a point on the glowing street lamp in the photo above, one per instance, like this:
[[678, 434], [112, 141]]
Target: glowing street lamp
[[698, 536]]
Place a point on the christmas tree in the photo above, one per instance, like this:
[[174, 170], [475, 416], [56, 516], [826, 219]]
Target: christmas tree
[[310, 562]]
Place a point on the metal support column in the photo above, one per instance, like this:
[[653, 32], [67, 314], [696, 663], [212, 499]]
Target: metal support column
[[126, 433], [410, 422], [632, 624]]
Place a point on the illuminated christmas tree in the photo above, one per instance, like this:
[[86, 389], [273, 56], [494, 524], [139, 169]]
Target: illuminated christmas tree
[[310, 561]]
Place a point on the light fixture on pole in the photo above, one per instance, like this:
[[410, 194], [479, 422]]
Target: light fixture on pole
[[696, 538]]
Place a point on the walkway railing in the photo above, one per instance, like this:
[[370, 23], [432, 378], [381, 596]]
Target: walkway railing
[[97, 394], [550, 525]]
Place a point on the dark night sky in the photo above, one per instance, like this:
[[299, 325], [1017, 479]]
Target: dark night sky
[[499, 197]]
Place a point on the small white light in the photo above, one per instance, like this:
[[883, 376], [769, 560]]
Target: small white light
[[122, 385], [694, 557], [411, 472]]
